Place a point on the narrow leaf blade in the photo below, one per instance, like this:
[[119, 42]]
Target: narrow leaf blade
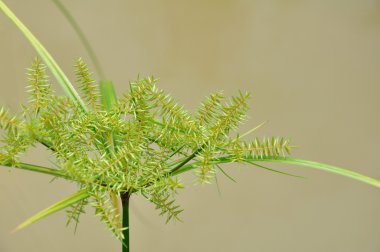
[[41, 169], [81, 35], [81, 195], [108, 93], [294, 161], [328, 168], [274, 170], [46, 57]]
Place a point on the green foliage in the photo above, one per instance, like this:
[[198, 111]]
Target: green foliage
[[137, 144], [132, 145], [71, 200], [45, 55]]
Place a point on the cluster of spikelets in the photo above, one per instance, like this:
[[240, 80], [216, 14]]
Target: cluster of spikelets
[[136, 146]]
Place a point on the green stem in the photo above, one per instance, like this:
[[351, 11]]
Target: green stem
[[188, 159], [125, 202]]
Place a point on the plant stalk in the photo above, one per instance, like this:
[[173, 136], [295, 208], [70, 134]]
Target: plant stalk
[[125, 203]]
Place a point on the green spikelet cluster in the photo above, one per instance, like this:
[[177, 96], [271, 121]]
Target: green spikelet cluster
[[87, 84], [7, 122], [108, 213], [274, 147], [39, 86], [209, 108], [135, 147], [74, 212], [16, 140]]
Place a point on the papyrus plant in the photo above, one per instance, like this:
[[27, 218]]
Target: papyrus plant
[[138, 143]]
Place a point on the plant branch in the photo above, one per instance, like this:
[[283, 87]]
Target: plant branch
[[186, 160]]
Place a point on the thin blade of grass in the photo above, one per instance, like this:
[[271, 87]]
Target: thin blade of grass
[[109, 99], [225, 173], [273, 170], [217, 186], [46, 57], [253, 129], [81, 195], [329, 168], [82, 37], [287, 160], [108, 94]]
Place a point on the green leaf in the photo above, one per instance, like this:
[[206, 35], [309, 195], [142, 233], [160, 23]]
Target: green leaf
[[108, 94], [225, 173], [41, 169], [81, 195], [81, 36], [37, 168], [109, 99], [273, 170], [287, 160], [328, 168], [46, 57]]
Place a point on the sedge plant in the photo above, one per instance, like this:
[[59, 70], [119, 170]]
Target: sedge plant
[[138, 143]]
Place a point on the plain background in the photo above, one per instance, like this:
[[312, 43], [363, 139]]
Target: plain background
[[313, 70]]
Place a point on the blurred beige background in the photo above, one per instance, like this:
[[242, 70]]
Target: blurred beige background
[[313, 70]]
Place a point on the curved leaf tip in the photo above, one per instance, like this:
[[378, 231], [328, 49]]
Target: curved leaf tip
[[81, 195]]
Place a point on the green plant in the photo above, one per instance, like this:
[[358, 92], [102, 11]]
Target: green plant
[[137, 144]]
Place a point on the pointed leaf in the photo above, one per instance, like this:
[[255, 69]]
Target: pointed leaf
[[37, 168], [41, 169], [82, 37], [225, 173], [109, 98], [273, 170], [287, 160], [81, 195], [328, 168], [46, 57]]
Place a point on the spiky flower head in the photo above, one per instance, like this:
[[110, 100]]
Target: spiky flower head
[[132, 145]]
